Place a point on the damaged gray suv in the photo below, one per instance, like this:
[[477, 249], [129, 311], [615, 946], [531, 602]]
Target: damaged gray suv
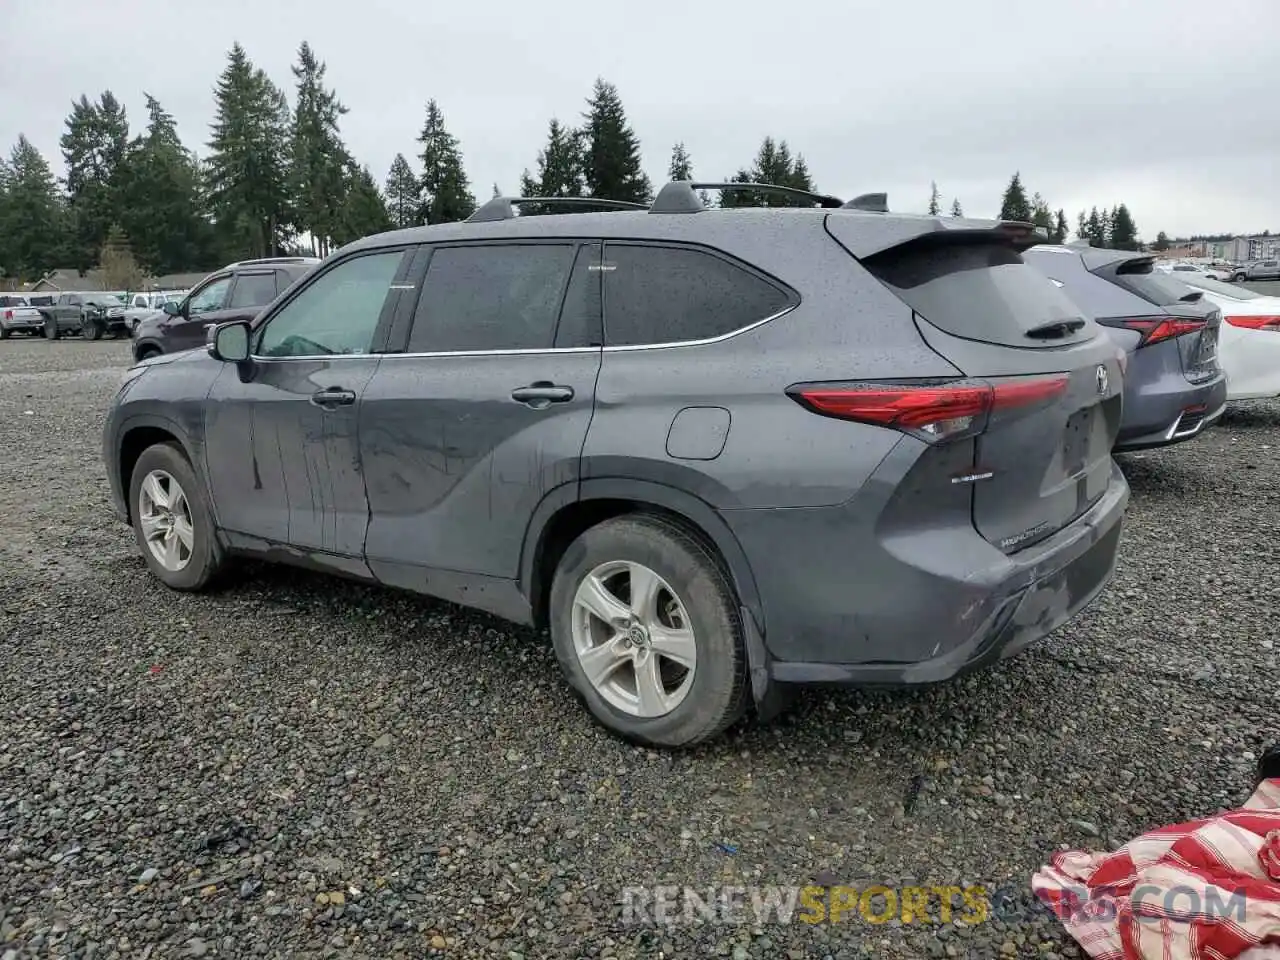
[[715, 452]]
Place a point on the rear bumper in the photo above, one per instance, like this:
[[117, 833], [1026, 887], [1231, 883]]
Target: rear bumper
[[934, 605], [1168, 409], [23, 323]]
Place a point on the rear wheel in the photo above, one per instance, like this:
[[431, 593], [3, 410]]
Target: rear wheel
[[646, 628], [172, 520], [5, 333], [147, 352]]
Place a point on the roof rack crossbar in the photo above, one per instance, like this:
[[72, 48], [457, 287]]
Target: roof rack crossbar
[[503, 208], [681, 196]]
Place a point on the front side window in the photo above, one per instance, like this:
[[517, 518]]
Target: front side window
[[337, 313], [491, 297], [210, 297], [655, 295], [253, 290]]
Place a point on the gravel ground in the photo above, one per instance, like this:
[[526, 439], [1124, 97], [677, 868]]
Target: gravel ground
[[297, 766]]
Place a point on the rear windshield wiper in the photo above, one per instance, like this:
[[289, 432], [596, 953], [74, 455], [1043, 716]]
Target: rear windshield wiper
[[1055, 330]]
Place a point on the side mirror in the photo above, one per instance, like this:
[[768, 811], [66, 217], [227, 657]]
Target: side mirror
[[229, 342], [171, 308]]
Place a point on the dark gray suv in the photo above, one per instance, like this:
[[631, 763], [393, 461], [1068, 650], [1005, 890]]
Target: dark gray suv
[[1174, 386], [715, 452]]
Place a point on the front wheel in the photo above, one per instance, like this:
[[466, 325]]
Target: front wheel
[[647, 631], [90, 329], [51, 331], [172, 520]]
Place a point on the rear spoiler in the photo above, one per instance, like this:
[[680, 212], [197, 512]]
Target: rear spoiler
[[865, 236]]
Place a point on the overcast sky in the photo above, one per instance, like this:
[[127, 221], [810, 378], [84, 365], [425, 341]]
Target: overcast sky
[[1166, 105]]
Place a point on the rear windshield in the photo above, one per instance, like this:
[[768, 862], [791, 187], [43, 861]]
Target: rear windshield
[[982, 292], [1151, 285]]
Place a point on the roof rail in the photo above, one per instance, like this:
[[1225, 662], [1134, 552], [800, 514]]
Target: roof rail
[[264, 260], [871, 202], [503, 208], [681, 196]]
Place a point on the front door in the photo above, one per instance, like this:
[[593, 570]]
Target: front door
[[281, 432], [204, 308], [483, 411]]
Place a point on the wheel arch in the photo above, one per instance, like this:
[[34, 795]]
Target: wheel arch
[[137, 434], [571, 508]]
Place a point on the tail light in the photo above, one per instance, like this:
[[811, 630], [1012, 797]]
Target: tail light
[[8, 314], [1255, 323], [933, 410], [1155, 329]]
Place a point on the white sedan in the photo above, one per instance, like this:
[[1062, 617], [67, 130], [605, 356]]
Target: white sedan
[[1249, 340], [1185, 270]]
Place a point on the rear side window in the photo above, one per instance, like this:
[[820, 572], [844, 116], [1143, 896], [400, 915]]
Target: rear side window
[[656, 295], [253, 290], [491, 297], [983, 292]]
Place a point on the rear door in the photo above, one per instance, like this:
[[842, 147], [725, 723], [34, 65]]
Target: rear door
[[1045, 455], [480, 407]]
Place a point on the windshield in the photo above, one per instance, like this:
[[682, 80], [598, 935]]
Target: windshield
[[105, 300], [1232, 290]]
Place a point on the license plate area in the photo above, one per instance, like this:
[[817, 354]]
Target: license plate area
[[1076, 437]]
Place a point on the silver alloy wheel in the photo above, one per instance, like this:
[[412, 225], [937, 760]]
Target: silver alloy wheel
[[165, 517], [634, 639]]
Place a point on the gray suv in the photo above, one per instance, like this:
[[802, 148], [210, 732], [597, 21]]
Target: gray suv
[[714, 452], [1174, 386]]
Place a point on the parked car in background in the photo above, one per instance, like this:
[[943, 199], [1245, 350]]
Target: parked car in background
[[565, 420], [1250, 338], [236, 292], [143, 305], [1174, 384], [1184, 270], [1257, 270], [18, 316], [91, 315]]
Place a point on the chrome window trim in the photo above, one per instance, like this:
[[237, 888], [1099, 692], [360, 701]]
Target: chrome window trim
[[627, 348]]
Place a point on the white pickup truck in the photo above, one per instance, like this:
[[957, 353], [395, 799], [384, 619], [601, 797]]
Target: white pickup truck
[[143, 305], [18, 316]]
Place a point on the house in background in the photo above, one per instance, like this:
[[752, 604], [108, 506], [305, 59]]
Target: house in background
[[66, 279]]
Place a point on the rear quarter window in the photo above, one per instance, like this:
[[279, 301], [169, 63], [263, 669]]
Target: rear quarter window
[[657, 294], [980, 291]]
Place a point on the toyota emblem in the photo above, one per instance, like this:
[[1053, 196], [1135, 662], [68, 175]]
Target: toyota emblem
[[1103, 380]]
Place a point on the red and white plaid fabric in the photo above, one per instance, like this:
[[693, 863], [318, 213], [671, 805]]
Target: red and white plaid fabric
[[1204, 890]]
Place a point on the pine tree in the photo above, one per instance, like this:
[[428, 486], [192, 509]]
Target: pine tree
[[956, 209], [1082, 226], [1060, 230], [1162, 242], [445, 195], [681, 167], [94, 147], [935, 199], [1107, 217], [402, 192], [560, 163], [319, 170], [1095, 231], [611, 150], [161, 209], [1041, 215], [363, 211], [248, 167], [32, 216], [1014, 205], [774, 165], [1124, 232]]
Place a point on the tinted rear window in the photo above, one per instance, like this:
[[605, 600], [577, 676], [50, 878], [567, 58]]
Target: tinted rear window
[[1150, 284], [982, 292]]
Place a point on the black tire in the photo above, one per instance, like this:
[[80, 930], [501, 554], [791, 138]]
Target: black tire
[[5, 333], [146, 352], [207, 555], [90, 329], [718, 694], [51, 331]]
